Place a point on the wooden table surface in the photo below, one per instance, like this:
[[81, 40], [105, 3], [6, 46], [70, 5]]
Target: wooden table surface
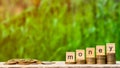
[[61, 64]]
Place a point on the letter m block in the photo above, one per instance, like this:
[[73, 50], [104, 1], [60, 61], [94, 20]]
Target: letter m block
[[70, 56]]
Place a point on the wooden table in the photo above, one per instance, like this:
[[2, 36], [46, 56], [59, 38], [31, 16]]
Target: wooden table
[[61, 64]]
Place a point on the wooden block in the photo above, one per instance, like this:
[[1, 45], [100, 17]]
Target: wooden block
[[90, 52], [80, 54], [70, 56], [100, 50], [110, 47]]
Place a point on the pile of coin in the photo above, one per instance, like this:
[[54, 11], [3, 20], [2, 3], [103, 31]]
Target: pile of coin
[[70, 62], [80, 61], [22, 61], [111, 58], [90, 60], [101, 59]]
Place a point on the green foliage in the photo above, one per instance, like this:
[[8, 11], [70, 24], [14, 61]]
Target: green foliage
[[48, 32]]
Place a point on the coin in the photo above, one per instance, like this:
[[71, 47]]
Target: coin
[[111, 58], [11, 62], [70, 62], [101, 59], [80, 61], [90, 60], [48, 63], [22, 61]]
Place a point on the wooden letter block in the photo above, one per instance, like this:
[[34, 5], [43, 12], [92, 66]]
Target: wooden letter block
[[90, 52], [110, 47], [80, 54], [70, 56], [100, 50]]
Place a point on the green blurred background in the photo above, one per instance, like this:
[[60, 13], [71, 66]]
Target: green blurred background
[[46, 29]]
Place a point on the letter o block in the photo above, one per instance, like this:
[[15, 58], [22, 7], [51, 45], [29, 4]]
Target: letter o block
[[80, 54]]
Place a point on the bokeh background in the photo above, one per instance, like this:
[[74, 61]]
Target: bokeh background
[[46, 29]]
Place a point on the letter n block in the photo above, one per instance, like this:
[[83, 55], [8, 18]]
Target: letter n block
[[70, 57], [90, 52]]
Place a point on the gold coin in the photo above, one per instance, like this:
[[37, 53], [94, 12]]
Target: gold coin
[[80, 61], [90, 60], [101, 59], [23, 61], [111, 58], [70, 62]]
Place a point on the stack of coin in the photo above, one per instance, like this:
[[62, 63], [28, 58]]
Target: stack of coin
[[90, 60], [90, 56], [101, 59], [111, 58], [70, 62], [80, 61]]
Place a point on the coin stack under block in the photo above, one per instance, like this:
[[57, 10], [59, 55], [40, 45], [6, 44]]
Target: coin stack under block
[[80, 57], [90, 55], [100, 54], [111, 57]]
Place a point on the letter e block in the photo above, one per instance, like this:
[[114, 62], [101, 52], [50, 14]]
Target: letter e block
[[100, 50]]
